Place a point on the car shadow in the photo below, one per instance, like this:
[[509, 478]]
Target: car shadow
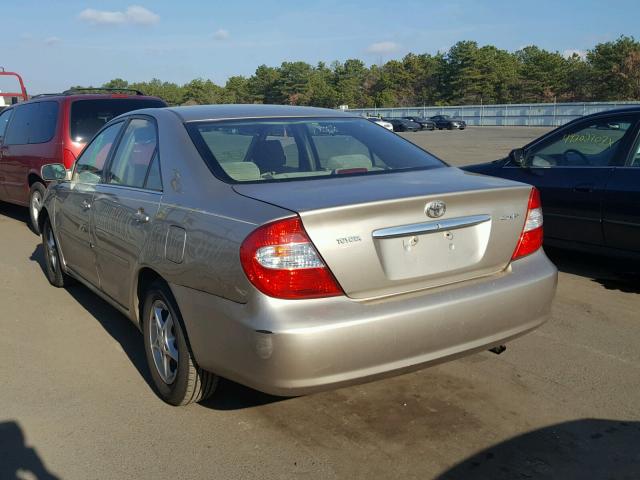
[[18, 460], [229, 396], [611, 273], [15, 212], [588, 448]]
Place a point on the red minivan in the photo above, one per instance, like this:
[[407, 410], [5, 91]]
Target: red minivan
[[54, 129]]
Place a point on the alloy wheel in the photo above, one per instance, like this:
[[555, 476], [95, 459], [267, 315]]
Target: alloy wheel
[[163, 341], [52, 251]]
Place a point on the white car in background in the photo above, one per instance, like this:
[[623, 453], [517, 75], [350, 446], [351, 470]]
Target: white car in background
[[382, 123]]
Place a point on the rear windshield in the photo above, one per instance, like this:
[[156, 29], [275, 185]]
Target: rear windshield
[[89, 116], [268, 150]]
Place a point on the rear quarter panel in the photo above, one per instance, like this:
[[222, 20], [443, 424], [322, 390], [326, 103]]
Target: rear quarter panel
[[201, 221]]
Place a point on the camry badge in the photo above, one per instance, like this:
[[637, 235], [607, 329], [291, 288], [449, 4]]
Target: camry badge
[[435, 209]]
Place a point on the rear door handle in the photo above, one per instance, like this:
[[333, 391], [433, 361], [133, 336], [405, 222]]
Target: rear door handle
[[141, 217], [584, 188]]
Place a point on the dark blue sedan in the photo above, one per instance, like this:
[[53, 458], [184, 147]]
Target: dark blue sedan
[[588, 174]]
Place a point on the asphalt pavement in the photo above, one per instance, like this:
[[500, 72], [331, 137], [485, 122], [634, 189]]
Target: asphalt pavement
[[561, 402]]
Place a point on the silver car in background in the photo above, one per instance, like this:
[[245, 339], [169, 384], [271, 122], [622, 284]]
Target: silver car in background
[[292, 249]]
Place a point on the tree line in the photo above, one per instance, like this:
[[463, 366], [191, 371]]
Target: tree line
[[465, 74]]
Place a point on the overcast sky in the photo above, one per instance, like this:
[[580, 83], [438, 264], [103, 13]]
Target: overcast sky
[[58, 44]]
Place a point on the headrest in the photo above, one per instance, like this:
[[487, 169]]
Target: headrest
[[242, 171], [354, 160]]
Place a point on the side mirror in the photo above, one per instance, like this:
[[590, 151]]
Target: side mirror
[[517, 156], [53, 172]]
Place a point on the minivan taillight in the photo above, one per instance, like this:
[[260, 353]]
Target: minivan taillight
[[280, 261], [531, 237]]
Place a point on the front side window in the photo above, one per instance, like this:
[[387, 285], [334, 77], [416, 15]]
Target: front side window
[[268, 150], [592, 145], [90, 165], [134, 155]]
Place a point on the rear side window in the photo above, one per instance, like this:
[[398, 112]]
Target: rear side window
[[134, 155], [89, 116], [33, 123]]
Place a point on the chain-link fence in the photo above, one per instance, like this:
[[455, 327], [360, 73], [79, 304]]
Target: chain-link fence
[[534, 114]]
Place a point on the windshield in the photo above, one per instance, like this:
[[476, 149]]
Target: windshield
[[89, 116], [268, 150]]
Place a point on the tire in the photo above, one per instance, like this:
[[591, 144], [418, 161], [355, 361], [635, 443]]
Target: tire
[[36, 194], [176, 382], [53, 262]]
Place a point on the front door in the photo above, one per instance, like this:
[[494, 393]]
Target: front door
[[74, 211], [124, 207], [621, 212], [571, 169]]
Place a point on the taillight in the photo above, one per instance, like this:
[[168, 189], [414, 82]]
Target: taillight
[[68, 158], [280, 261], [531, 237]]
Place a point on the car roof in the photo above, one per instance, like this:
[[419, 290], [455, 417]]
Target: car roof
[[227, 112]]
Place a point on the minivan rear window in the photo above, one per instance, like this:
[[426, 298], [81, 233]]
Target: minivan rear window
[[88, 116], [271, 150]]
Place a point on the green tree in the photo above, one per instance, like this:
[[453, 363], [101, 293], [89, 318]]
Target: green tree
[[116, 83], [616, 69], [543, 74], [263, 85], [349, 80], [202, 92], [236, 90]]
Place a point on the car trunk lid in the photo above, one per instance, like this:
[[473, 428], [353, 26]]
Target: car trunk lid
[[374, 233]]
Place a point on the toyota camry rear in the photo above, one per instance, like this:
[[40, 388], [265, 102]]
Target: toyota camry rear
[[298, 249]]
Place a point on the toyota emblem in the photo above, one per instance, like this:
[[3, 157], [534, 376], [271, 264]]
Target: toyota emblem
[[435, 209]]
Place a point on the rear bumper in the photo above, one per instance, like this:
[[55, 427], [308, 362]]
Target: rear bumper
[[298, 347]]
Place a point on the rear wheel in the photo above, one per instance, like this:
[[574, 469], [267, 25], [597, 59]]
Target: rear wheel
[[176, 377], [36, 195], [53, 261]]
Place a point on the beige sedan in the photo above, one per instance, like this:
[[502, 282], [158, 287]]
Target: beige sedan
[[292, 249]]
